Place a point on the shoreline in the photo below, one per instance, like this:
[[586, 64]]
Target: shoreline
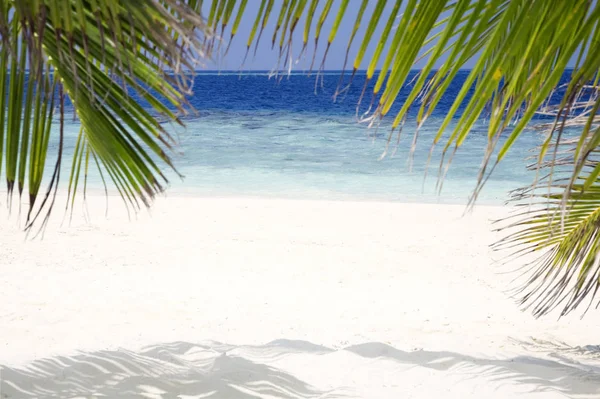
[[96, 193]]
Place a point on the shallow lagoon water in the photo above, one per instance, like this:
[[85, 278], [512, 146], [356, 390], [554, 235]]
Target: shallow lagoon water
[[255, 136]]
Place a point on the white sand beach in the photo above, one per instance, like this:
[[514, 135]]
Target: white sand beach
[[246, 298]]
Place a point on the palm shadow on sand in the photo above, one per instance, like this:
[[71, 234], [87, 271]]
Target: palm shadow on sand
[[215, 370]]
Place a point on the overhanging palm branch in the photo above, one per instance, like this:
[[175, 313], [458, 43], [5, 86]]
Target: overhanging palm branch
[[95, 53], [564, 232], [520, 48]]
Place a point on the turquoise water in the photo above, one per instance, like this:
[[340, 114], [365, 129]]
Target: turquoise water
[[254, 136], [315, 156]]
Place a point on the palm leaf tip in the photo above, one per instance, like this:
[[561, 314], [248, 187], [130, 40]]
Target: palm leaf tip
[[560, 227], [97, 54]]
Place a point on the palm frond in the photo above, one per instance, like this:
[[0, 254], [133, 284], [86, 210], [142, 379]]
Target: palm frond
[[564, 234], [95, 54], [520, 50]]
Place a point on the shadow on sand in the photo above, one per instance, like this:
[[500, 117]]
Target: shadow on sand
[[186, 370]]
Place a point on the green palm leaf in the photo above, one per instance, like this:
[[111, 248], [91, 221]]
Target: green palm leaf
[[96, 53], [522, 48], [565, 234]]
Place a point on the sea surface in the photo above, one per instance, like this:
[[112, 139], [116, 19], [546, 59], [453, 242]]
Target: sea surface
[[259, 135]]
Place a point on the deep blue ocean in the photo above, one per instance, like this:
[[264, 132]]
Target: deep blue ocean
[[254, 135]]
